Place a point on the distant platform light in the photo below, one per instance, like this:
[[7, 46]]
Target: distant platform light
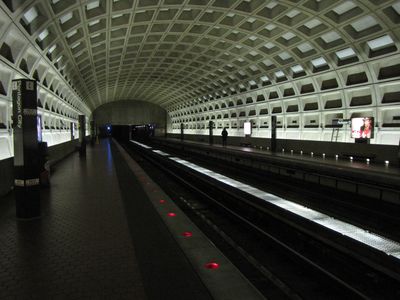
[[312, 154], [301, 152], [367, 160], [323, 155], [336, 157], [351, 158], [386, 162], [212, 265]]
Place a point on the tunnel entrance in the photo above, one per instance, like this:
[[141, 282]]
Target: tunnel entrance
[[124, 133]]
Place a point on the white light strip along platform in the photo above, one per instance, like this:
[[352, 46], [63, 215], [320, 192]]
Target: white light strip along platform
[[140, 144], [371, 239], [160, 152]]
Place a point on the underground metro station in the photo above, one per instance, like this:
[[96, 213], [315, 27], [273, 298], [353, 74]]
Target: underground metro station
[[200, 149]]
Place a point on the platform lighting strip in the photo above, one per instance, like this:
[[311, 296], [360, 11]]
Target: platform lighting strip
[[363, 236], [140, 144], [160, 152]]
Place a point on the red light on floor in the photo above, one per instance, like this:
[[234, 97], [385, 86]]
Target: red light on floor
[[171, 214], [187, 234], [212, 265], [162, 201]]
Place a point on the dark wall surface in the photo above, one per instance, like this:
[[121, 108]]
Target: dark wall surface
[[6, 175], [131, 113]]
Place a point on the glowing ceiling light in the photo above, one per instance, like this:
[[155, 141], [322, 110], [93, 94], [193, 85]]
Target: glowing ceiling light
[[291, 14], [380, 42], [72, 33], [345, 53], [344, 7], [279, 74], [330, 36], [284, 55], [312, 23], [65, 18], [93, 4], [288, 35], [270, 27], [30, 15], [43, 35], [364, 23], [318, 62], [75, 45], [396, 7], [52, 48], [297, 69], [305, 47], [94, 22]]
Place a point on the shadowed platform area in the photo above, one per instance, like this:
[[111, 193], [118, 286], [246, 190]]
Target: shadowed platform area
[[92, 240]]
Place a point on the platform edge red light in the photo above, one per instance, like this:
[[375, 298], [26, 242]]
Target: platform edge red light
[[211, 265]]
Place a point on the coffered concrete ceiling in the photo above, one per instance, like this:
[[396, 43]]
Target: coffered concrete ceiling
[[171, 52]]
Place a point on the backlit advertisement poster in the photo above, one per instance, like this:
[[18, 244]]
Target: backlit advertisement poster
[[362, 128], [39, 128], [247, 128]]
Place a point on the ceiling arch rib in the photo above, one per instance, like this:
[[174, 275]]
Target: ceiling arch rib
[[169, 51]]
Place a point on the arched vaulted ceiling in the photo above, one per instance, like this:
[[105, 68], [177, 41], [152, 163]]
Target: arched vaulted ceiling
[[171, 52]]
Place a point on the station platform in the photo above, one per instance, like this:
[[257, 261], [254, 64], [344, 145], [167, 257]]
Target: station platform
[[373, 180], [341, 162], [106, 232]]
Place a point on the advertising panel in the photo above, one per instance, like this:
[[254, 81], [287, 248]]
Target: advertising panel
[[247, 128], [362, 128]]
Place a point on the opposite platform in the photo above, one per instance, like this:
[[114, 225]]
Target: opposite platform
[[367, 180]]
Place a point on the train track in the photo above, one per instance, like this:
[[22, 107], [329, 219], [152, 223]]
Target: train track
[[377, 216], [288, 258]]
